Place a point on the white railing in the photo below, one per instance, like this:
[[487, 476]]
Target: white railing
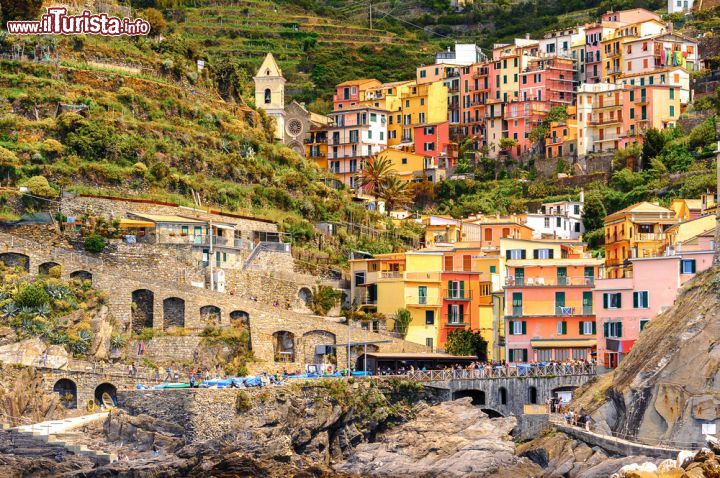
[[504, 371]]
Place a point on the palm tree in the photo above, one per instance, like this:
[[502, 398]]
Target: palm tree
[[372, 176], [394, 192]]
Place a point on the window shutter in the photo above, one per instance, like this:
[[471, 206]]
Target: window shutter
[[619, 329], [460, 313], [692, 265], [606, 329], [594, 328], [507, 254], [681, 266], [605, 301], [581, 327], [536, 254], [525, 355], [512, 327], [462, 289], [524, 327], [552, 253], [635, 299], [564, 328], [522, 254], [619, 296]]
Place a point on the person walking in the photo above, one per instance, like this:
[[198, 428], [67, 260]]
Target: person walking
[[169, 374]]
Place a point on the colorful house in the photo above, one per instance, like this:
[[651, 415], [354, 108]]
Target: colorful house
[[636, 231], [561, 139], [349, 94], [407, 165], [549, 304], [626, 305]]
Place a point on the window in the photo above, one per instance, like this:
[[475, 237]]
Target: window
[[429, 317], [429, 146], [369, 134], [403, 160], [429, 343], [456, 289], [561, 354], [579, 354], [543, 254], [515, 254], [422, 101], [359, 278], [547, 222], [612, 330], [559, 300], [641, 300], [672, 110], [422, 295], [185, 230], [518, 327], [423, 73], [518, 355], [517, 303], [643, 323], [576, 209], [543, 355], [455, 314], [612, 300], [587, 328], [687, 266], [493, 269], [562, 327]]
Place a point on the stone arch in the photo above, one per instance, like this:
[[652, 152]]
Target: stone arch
[[15, 259], [67, 391], [492, 413], [105, 388], [311, 341], [477, 396], [44, 268], [564, 393], [142, 309], [210, 314], [502, 396], [173, 312], [305, 295], [532, 395], [240, 318], [81, 275], [284, 346]]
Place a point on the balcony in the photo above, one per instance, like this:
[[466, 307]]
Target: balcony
[[456, 320], [454, 294], [604, 121], [579, 281], [391, 275], [650, 236], [516, 311]]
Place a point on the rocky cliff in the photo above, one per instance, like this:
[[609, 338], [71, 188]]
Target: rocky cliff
[[668, 385]]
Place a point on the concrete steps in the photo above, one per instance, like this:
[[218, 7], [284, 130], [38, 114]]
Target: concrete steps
[[47, 432]]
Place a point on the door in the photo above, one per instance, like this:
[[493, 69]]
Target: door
[[562, 278], [589, 275], [587, 303], [519, 276], [517, 304]]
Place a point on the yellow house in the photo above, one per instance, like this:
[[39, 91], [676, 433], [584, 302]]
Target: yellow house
[[405, 163], [687, 229], [636, 231], [423, 103]]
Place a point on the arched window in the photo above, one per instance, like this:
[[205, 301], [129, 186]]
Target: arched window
[[268, 96], [503, 396]]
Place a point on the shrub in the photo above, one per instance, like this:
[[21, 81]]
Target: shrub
[[32, 295], [39, 186], [52, 146], [159, 170], [242, 402], [402, 321], [139, 169], [7, 157], [95, 243], [324, 298]]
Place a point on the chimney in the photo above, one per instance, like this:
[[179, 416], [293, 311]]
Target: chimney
[[582, 196], [527, 36]]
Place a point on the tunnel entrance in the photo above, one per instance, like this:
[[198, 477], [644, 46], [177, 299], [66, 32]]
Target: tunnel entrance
[[477, 396]]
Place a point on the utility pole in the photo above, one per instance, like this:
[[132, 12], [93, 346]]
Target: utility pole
[[211, 258], [716, 256], [371, 25]]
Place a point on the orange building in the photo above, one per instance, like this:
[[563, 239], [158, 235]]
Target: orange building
[[548, 301]]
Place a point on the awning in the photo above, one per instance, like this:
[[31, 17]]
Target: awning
[[229, 227], [558, 344], [621, 346], [134, 224]]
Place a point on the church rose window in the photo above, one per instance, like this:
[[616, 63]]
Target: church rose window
[[295, 127]]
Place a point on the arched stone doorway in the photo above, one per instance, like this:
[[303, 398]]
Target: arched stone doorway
[[210, 315], [173, 313], [492, 413], [142, 308], [502, 396], [44, 269], [477, 396], [15, 259], [313, 352], [67, 391], [305, 295], [105, 391], [284, 346], [240, 318], [81, 275]]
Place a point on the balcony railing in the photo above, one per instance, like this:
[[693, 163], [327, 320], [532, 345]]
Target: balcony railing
[[575, 281], [604, 121], [508, 370], [456, 320], [391, 275], [421, 300], [649, 236], [453, 294]]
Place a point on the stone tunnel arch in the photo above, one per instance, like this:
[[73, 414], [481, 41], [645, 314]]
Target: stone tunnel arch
[[564, 393], [532, 395], [81, 275], [67, 391], [477, 396], [492, 413], [45, 267], [15, 259], [305, 295], [502, 396], [173, 313], [210, 314], [284, 346], [311, 342], [142, 309], [106, 389]]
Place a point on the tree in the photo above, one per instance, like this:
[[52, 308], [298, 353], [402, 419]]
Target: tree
[[324, 298], [594, 212], [19, 9], [95, 243], [394, 192], [716, 256], [653, 144], [155, 18], [373, 175], [507, 143], [423, 193], [402, 321], [467, 343]]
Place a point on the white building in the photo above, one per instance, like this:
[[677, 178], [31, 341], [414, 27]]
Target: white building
[[465, 54], [679, 6], [558, 220]]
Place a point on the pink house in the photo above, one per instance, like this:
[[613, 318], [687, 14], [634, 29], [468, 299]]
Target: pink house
[[432, 140], [522, 117], [350, 93], [625, 306], [593, 46]]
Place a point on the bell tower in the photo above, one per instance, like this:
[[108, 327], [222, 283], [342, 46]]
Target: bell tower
[[270, 93]]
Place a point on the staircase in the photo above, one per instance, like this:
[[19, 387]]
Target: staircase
[[47, 432]]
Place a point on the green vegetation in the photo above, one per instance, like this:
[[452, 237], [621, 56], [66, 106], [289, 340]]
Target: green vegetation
[[94, 243], [324, 298], [242, 402], [468, 343], [402, 321]]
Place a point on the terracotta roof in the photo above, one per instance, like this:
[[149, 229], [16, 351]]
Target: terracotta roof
[[641, 207], [357, 82]]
